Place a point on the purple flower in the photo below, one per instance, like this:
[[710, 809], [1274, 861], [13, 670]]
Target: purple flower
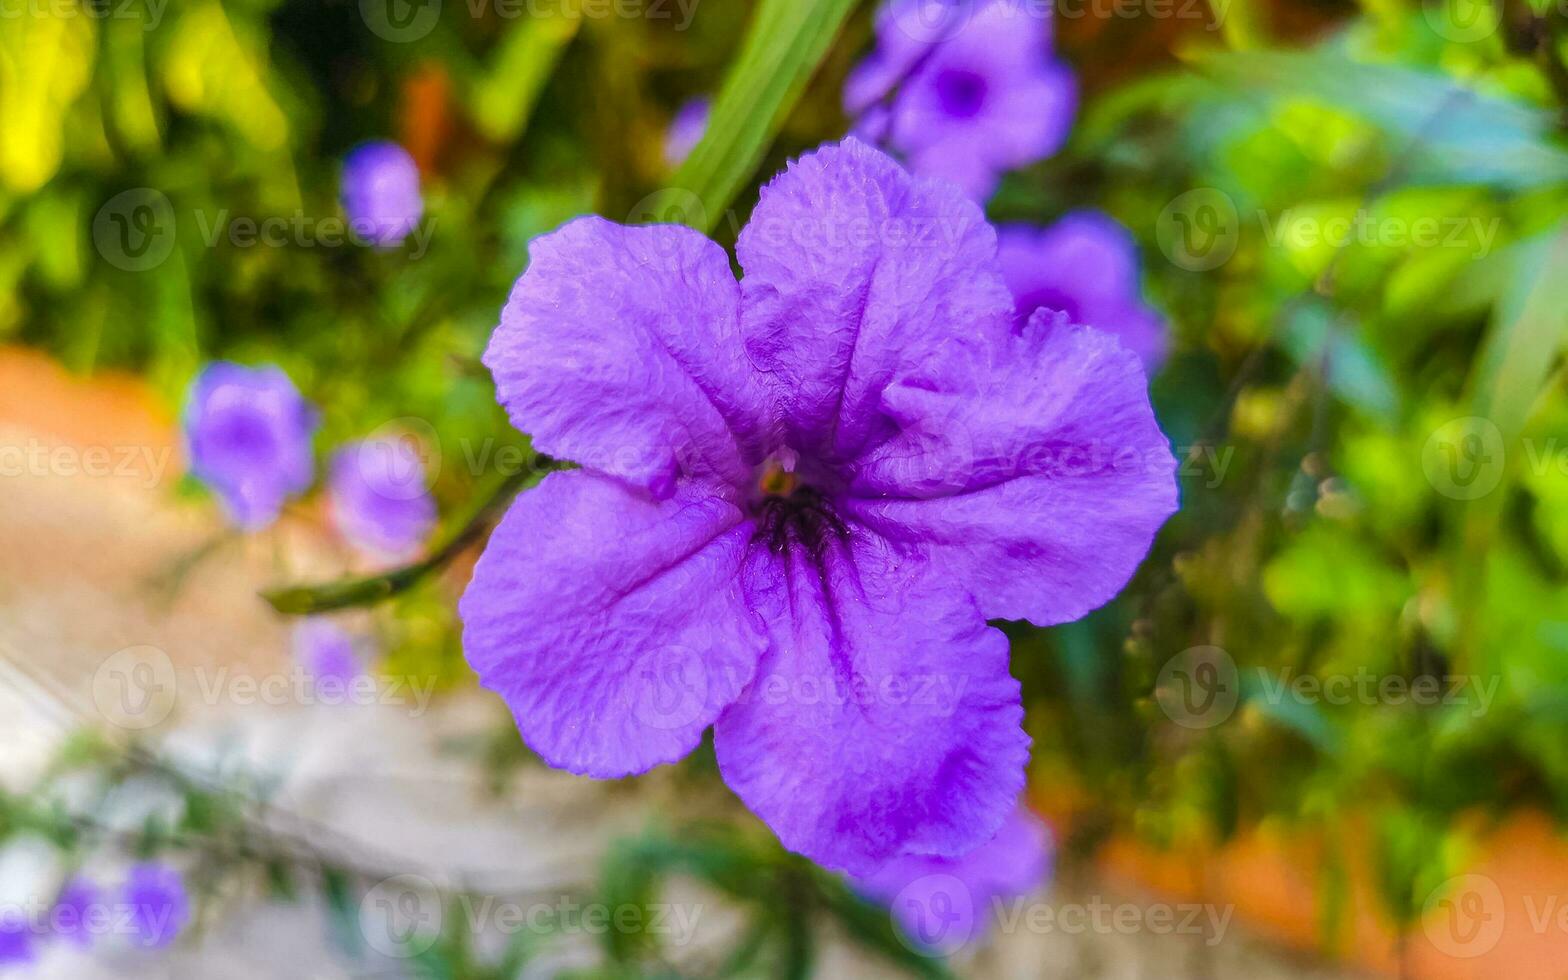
[[76, 912], [802, 496], [1086, 266], [16, 940], [325, 651], [379, 498], [381, 193], [248, 433], [963, 90], [154, 895], [940, 904], [686, 130]]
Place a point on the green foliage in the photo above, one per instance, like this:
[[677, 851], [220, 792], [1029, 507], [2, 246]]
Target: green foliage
[[1326, 533]]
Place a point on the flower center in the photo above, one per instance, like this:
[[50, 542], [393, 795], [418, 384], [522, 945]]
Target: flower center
[[960, 93], [1052, 299], [791, 511]]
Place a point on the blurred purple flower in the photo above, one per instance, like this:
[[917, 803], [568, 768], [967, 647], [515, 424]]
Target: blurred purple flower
[[1085, 265], [942, 903], [686, 130], [16, 940], [154, 895], [76, 912], [963, 89], [381, 193], [325, 651], [248, 435], [379, 498], [801, 497]]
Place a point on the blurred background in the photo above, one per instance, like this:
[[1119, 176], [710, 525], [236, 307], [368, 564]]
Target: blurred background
[[1323, 733]]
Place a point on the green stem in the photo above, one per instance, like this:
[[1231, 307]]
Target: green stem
[[306, 600]]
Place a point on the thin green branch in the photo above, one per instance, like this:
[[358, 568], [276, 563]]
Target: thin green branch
[[308, 600]]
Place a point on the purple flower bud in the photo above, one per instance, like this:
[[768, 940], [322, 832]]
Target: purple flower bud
[[75, 912], [159, 909], [381, 193], [325, 651], [940, 904], [379, 498], [248, 433], [686, 130], [16, 940]]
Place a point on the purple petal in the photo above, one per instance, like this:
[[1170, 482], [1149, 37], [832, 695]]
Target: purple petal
[[619, 350], [155, 896], [1039, 490], [248, 435], [612, 625], [882, 718], [940, 903], [857, 275], [380, 193], [1085, 265], [957, 162], [379, 498]]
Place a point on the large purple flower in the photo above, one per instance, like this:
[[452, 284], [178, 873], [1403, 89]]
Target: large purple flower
[[381, 193], [248, 433], [940, 904], [1086, 266], [963, 90], [801, 498], [155, 901], [379, 496]]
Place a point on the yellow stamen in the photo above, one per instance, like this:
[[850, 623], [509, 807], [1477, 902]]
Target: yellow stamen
[[777, 481]]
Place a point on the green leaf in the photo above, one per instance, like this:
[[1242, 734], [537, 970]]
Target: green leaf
[[1455, 133], [1529, 329], [786, 42], [504, 98]]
